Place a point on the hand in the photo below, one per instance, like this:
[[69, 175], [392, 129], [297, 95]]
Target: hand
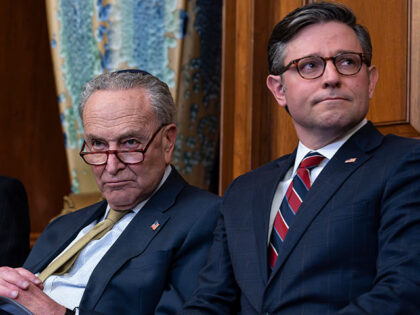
[[34, 299], [25, 288], [14, 280]]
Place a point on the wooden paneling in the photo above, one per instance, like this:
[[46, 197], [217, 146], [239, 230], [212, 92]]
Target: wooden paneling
[[31, 141], [414, 65], [283, 136], [261, 100], [227, 94], [247, 107], [255, 129], [243, 86]]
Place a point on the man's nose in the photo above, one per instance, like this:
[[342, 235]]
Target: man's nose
[[331, 77], [113, 164]]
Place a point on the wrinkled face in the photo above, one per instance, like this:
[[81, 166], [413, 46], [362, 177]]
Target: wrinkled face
[[124, 120], [333, 103]]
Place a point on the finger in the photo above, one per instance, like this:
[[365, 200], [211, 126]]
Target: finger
[[12, 276], [8, 290], [30, 277]]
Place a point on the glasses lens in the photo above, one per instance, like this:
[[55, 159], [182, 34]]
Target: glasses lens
[[95, 158], [310, 67], [348, 64], [131, 157]]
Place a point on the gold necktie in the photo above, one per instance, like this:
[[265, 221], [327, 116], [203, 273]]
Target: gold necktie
[[66, 260]]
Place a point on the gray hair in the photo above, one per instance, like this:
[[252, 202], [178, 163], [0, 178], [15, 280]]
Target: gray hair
[[310, 14], [160, 97]]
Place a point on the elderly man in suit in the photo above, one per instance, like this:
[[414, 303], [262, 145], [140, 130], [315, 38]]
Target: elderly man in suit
[[14, 222], [140, 250], [333, 227]]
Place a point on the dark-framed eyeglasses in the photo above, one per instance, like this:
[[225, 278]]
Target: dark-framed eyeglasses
[[312, 67], [124, 156]]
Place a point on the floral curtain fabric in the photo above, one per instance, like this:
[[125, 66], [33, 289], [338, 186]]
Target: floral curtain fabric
[[178, 41]]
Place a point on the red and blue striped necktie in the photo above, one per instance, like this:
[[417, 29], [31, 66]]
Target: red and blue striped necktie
[[290, 205]]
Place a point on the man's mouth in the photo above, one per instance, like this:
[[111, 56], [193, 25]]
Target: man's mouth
[[331, 99], [116, 184]]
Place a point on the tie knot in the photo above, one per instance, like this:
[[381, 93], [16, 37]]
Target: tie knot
[[116, 215], [311, 160]]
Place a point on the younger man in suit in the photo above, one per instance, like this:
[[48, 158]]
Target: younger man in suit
[[334, 227], [147, 262]]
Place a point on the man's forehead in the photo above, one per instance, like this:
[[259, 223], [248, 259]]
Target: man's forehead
[[115, 104], [116, 135], [114, 132], [112, 113], [324, 39]]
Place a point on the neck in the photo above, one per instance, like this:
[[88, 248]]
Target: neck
[[316, 139]]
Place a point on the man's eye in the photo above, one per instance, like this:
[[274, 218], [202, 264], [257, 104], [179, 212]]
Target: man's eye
[[97, 145], [347, 61], [131, 143], [309, 65]]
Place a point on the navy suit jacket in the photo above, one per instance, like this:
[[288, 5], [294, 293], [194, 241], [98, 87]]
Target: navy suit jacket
[[14, 222], [353, 248], [145, 271]]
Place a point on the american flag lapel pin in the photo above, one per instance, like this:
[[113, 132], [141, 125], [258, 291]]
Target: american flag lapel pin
[[155, 225], [351, 160]]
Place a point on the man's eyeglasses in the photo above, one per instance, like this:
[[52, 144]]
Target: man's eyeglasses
[[312, 67], [125, 156]]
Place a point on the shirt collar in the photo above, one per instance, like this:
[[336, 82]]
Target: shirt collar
[[329, 150]]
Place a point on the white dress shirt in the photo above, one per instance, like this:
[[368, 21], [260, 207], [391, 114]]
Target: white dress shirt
[[328, 151], [68, 289]]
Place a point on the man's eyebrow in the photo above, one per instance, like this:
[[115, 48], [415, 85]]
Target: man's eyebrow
[[338, 52], [129, 134], [345, 51], [133, 134], [93, 137]]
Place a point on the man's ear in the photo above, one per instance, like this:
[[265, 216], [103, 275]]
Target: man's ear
[[277, 88], [168, 141], [373, 78]]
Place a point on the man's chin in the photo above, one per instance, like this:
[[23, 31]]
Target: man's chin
[[121, 207], [334, 120], [117, 200]]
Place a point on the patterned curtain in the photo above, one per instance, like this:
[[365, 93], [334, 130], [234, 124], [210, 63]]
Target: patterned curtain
[[178, 41]]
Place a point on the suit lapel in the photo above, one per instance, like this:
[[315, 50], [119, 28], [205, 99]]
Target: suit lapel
[[354, 153], [65, 232], [135, 238]]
